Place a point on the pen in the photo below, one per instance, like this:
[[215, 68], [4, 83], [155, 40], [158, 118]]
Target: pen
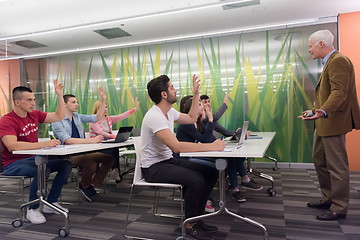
[[52, 137]]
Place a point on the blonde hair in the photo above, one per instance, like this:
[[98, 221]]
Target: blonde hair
[[96, 107]]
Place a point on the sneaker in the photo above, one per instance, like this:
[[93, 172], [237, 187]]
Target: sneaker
[[123, 184], [251, 185], [88, 193], [238, 196], [208, 207], [35, 216], [47, 209], [197, 233]]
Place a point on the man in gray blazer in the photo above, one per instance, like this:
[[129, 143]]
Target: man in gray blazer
[[336, 112]]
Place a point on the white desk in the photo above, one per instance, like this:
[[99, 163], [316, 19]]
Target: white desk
[[253, 148], [41, 159]]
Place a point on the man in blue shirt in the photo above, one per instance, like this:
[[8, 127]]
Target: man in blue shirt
[[70, 131]]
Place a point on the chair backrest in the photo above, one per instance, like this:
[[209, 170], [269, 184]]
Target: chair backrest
[[137, 172]]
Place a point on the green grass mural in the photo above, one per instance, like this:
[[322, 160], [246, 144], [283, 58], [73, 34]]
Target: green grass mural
[[269, 90]]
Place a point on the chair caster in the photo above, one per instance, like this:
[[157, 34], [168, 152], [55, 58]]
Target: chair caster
[[17, 223], [271, 192], [63, 232], [180, 238], [275, 168]]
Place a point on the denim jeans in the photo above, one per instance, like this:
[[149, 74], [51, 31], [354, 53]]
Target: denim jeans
[[27, 167], [236, 165]]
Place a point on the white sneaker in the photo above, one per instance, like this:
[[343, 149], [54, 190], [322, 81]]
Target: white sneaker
[[35, 216], [47, 209]]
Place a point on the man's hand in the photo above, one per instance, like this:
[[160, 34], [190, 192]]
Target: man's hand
[[51, 143], [308, 115], [102, 94], [196, 85], [58, 88], [96, 139], [226, 98]]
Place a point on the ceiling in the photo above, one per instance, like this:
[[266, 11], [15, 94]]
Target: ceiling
[[67, 26]]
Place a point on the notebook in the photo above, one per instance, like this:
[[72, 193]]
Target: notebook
[[122, 135]]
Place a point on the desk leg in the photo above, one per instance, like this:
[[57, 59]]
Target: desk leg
[[221, 165], [41, 161]]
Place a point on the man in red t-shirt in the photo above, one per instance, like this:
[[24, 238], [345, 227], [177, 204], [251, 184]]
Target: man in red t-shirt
[[19, 131]]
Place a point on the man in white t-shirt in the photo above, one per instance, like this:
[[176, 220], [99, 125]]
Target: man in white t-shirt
[[159, 143]]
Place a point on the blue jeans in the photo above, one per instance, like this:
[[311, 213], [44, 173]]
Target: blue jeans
[[204, 161], [27, 167], [236, 165]]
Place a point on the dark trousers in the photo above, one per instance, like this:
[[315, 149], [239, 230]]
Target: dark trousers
[[198, 181]]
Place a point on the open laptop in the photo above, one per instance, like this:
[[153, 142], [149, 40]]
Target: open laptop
[[122, 135], [230, 147]]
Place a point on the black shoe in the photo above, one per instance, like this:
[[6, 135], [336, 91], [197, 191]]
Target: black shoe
[[86, 192], [319, 204], [238, 196], [206, 227], [330, 216], [92, 190], [252, 185], [197, 233]]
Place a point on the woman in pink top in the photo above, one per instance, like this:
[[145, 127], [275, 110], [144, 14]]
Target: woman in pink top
[[104, 128]]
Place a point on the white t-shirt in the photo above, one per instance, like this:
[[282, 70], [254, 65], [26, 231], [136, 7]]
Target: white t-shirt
[[153, 150]]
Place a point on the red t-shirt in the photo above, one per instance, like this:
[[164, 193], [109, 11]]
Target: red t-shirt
[[25, 129]]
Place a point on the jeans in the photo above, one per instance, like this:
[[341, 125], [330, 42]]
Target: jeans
[[198, 181], [27, 167], [236, 165]]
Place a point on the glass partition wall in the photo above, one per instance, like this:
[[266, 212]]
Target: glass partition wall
[[269, 74]]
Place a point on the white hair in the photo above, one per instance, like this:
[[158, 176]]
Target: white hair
[[324, 36]]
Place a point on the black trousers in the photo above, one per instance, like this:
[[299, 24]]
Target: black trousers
[[198, 181]]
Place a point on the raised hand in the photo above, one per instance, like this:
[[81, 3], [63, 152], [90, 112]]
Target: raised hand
[[102, 94], [58, 87], [196, 84], [137, 104], [226, 98]]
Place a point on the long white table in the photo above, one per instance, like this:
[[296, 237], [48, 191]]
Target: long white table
[[41, 159], [253, 147]]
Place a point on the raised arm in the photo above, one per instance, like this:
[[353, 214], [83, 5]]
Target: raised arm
[[193, 114], [59, 114], [101, 112]]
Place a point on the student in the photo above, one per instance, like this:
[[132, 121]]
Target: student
[[235, 165], [104, 128], [19, 131], [70, 131], [203, 132], [157, 147]]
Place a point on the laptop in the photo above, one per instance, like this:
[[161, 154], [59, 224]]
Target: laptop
[[122, 135], [230, 147]]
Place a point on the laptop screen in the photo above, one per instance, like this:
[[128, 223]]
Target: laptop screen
[[243, 132]]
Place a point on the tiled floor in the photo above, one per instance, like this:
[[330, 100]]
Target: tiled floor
[[284, 215]]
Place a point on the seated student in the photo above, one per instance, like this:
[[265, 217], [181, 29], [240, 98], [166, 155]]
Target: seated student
[[159, 142], [19, 131], [203, 132], [104, 128], [70, 131], [234, 166]]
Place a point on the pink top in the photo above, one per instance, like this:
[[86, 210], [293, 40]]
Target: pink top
[[98, 129]]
